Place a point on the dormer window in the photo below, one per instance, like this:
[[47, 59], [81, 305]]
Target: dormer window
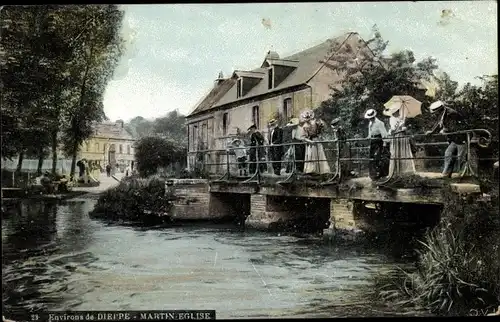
[[239, 87], [270, 78]]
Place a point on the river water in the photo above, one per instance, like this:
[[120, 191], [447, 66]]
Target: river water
[[55, 257]]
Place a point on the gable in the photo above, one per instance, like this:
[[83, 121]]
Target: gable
[[294, 70]]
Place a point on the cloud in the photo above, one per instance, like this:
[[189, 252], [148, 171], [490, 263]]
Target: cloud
[[176, 51]]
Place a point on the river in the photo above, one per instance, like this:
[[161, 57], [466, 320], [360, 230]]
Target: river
[[55, 257]]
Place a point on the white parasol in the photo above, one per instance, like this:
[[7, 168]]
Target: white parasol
[[407, 106]]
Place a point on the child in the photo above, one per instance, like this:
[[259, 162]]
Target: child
[[241, 156]]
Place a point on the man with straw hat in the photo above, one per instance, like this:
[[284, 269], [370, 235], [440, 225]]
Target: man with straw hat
[[450, 121], [376, 133], [276, 152]]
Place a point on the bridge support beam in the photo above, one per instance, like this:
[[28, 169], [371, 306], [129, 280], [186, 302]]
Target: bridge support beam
[[345, 221], [266, 213]]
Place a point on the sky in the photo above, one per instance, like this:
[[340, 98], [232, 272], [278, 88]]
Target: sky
[[174, 52]]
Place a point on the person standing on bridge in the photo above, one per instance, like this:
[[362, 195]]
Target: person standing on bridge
[[315, 158], [343, 148], [450, 121], [257, 150], [376, 134], [401, 154], [276, 152]]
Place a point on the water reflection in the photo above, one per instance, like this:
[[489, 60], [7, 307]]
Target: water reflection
[[56, 257], [41, 244]]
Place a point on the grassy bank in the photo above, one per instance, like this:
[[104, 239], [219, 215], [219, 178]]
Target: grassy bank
[[458, 271], [134, 200]]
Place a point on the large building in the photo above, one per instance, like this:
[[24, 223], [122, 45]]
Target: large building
[[280, 87], [110, 144]]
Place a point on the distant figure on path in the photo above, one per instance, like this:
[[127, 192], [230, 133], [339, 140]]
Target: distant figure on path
[[450, 121], [108, 170], [376, 133], [256, 147], [276, 152]]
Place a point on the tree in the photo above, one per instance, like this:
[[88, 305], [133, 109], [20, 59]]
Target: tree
[[154, 152], [58, 60], [370, 80], [24, 80], [172, 126], [97, 56]]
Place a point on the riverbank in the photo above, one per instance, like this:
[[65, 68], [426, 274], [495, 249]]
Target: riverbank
[[458, 270]]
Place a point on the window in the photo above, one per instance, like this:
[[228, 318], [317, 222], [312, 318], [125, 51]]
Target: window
[[270, 78], [128, 149], [287, 109], [121, 149], [195, 137], [97, 147], [87, 147], [255, 116], [239, 87], [104, 146], [224, 124]]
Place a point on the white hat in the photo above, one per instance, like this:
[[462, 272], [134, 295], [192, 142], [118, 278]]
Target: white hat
[[371, 113], [434, 106]]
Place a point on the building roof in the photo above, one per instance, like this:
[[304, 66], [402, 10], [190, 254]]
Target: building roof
[[112, 130], [308, 62]]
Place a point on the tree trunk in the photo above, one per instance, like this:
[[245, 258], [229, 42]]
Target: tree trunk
[[73, 160], [54, 151], [40, 164], [20, 161]]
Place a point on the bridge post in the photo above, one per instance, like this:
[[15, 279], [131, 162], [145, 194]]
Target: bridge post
[[266, 213], [342, 220]]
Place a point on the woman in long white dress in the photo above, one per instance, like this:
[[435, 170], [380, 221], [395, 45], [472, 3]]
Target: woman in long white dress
[[400, 146], [315, 159]]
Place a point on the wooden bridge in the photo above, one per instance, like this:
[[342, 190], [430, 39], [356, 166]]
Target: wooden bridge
[[265, 200]]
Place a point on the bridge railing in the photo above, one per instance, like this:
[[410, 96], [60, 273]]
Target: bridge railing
[[352, 153]]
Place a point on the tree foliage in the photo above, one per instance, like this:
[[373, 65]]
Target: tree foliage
[[153, 152], [57, 62], [171, 126], [370, 80]]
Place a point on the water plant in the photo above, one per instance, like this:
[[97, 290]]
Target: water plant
[[458, 271]]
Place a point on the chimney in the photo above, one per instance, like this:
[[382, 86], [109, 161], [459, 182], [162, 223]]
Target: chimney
[[219, 79], [119, 123]]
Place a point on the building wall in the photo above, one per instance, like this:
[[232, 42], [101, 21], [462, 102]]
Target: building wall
[[239, 118], [326, 77], [97, 149]]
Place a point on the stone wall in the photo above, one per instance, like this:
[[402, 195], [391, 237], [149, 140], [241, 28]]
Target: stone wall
[[193, 199], [265, 213]]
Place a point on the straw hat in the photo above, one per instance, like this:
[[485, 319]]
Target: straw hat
[[293, 121], [236, 141], [272, 121], [251, 127], [307, 115], [436, 105], [371, 113], [335, 121]]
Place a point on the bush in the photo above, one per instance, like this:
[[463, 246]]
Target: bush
[[154, 152], [459, 265], [135, 199]]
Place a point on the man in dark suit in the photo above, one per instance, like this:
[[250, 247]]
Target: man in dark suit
[[276, 152], [256, 149]]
